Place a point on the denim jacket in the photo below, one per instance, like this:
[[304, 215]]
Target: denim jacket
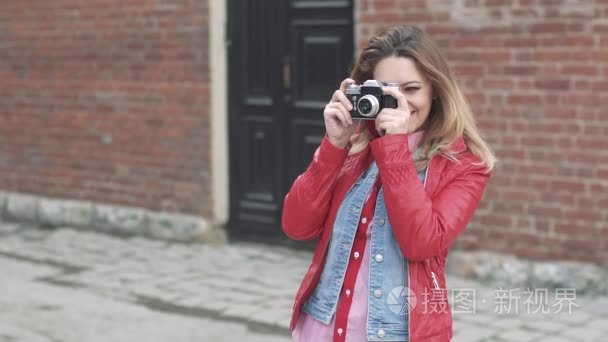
[[387, 318]]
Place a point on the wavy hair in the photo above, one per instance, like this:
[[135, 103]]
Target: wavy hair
[[450, 116]]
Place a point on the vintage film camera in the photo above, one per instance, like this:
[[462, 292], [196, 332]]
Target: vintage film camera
[[368, 99]]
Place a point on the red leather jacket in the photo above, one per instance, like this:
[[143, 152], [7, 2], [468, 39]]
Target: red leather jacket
[[426, 219]]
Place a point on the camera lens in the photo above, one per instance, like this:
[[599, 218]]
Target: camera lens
[[368, 106], [365, 106]]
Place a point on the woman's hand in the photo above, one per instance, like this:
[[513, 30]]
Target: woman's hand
[[338, 121], [394, 120]]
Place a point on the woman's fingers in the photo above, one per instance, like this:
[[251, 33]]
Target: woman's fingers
[[343, 112], [339, 97], [345, 84], [401, 100], [345, 101], [389, 114], [391, 121], [382, 127]]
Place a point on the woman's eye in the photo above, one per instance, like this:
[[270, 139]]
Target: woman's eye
[[411, 89]]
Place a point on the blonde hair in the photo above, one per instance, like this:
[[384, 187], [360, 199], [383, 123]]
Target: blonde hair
[[450, 116]]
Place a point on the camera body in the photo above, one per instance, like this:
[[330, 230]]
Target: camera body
[[368, 99]]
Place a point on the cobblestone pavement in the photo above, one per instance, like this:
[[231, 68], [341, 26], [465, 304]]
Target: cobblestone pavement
[[67, 285], [33, 310]]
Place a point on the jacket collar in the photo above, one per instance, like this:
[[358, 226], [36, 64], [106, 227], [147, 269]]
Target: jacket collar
[[457, 145]]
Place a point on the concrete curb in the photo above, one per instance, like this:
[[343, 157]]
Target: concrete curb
[[115, 219], [494, 269]]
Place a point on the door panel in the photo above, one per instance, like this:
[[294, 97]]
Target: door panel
[[285, 60], [318, 62]]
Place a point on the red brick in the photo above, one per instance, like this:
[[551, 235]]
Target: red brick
[[497, 83], [579, 70], [495, 56], [548, 27], [440, 29], [496, 221], [561, 41], [553, 84], [545, 211], [524, 100], [520, 70], [498, 2], [568, 185], [385, 5], [520, 195], [600, 28], [469, 41], [467, 70], [551, 2], [600, 86], [602, 173]]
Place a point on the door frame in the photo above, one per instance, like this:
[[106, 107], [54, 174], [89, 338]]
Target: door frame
[[218, 114]]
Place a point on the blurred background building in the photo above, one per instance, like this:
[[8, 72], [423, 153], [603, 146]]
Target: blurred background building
[[131, 115]]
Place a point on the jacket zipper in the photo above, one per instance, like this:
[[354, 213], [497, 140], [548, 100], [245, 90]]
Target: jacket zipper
[[433, 276], [435, 282]]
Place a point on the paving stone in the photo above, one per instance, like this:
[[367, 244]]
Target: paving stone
[[597, 307], [215, 304], [478, 318], [551, 327], [504, 323], [241, 310], [598, 324], [475, 334], [585, 335], [463, 327], [519, 335], [554, 339], [575, 318], [8, 228]]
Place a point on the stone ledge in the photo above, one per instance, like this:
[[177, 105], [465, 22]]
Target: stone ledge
[[115, 219], [493, 269], [509, 272]]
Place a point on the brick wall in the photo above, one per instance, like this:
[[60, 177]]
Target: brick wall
[[536, 74], [106, 100]]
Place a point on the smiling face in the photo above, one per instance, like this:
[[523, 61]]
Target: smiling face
[[417, 89]]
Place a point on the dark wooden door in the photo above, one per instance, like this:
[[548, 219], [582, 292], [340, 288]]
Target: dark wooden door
[[286, 57]]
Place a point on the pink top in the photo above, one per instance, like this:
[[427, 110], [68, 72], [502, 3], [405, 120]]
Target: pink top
[[309, 329]]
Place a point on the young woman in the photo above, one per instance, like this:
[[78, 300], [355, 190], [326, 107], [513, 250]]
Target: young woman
[[386, 198]]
